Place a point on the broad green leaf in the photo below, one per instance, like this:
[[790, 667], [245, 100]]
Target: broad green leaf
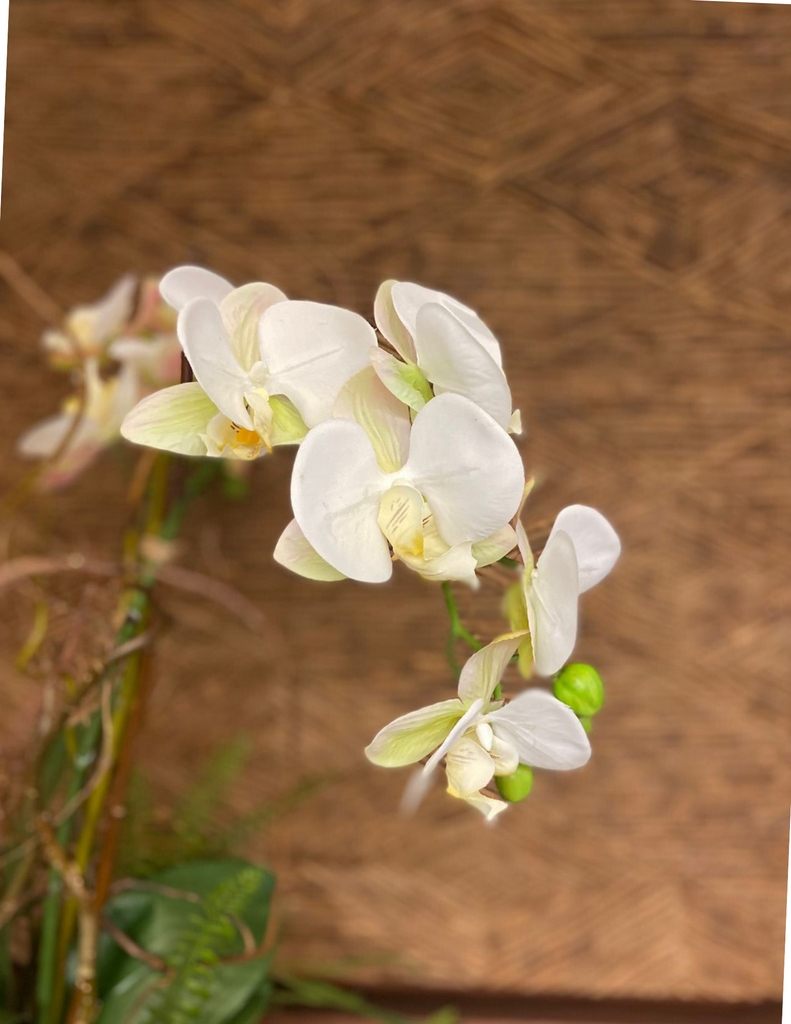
[[157, 922]]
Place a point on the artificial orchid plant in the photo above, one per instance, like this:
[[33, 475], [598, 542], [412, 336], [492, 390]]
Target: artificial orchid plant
[[405, 455]]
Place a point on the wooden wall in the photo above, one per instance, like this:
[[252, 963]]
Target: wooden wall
[[609, 184]]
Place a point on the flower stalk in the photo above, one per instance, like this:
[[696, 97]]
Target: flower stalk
[[458, 631]]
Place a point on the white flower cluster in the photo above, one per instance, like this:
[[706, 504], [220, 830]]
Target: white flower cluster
[[405, 454], [118, 349], [480, 737]]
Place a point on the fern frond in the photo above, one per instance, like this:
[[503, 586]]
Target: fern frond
[[209, 936]]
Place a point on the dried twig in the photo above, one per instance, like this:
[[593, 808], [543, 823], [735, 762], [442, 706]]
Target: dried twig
[[129, 946], [29, 290], [104, 764]]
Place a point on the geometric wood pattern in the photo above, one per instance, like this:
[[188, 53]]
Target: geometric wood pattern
[[609, 185]]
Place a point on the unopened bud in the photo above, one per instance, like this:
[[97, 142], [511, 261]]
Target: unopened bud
[[516, 787], [580, 687]]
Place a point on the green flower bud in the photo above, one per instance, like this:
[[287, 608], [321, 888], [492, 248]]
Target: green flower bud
[[580, 687], [587, 723], [516, 787]]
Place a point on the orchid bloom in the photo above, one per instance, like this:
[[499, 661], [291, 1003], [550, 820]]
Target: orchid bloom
[[266, 368], [581, 550], [98, 416], [149, 342], [480, 737], [443, 344], [441, 492], [88, 330]]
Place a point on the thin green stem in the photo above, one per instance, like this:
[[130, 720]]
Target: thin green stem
[[458, 631]]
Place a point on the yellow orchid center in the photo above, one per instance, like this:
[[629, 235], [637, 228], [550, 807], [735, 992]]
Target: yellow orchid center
[[245, 436]]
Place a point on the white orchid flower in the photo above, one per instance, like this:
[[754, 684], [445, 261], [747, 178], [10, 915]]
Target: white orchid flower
[[362, 478], [99, 420], [480, 737], [442, 343], [404, 516], [88, 330], [266, 368], [581, 550]]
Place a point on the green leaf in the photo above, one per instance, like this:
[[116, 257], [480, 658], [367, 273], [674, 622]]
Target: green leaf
[[254, 1011], [321, 995], [190, 937]]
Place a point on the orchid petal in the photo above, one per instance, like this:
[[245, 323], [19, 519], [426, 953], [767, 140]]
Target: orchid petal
[[596, 543], [123, 392], [404, 380], [310, 351], [411, 737], [523, 544], [241, 310], [103, 319], [464, 723], [183, 284], [408, 299], [43, 439], [515, 422], [515, 610], [455, 361], [552, 598], [456, 563], [172, 419], [287, 426], [157, 360], [85, 444], [205, 342], [261, 413], [468, 767], [484, 670], [504, 755], [544, 732], [401, 520], [489, 806], [418, 785], [390, 325], [336, 487], [295, 553], [467, 468], [385, 420], [492, 549]]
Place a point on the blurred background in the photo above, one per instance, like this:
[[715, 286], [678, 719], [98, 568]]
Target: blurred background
[[609, 184]]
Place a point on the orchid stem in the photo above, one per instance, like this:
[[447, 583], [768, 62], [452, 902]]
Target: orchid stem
[[458, 631]]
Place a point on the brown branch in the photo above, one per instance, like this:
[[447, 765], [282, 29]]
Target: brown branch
[[142, 885], [58, 859], [29, 290], [19, 569], [130, 947]]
